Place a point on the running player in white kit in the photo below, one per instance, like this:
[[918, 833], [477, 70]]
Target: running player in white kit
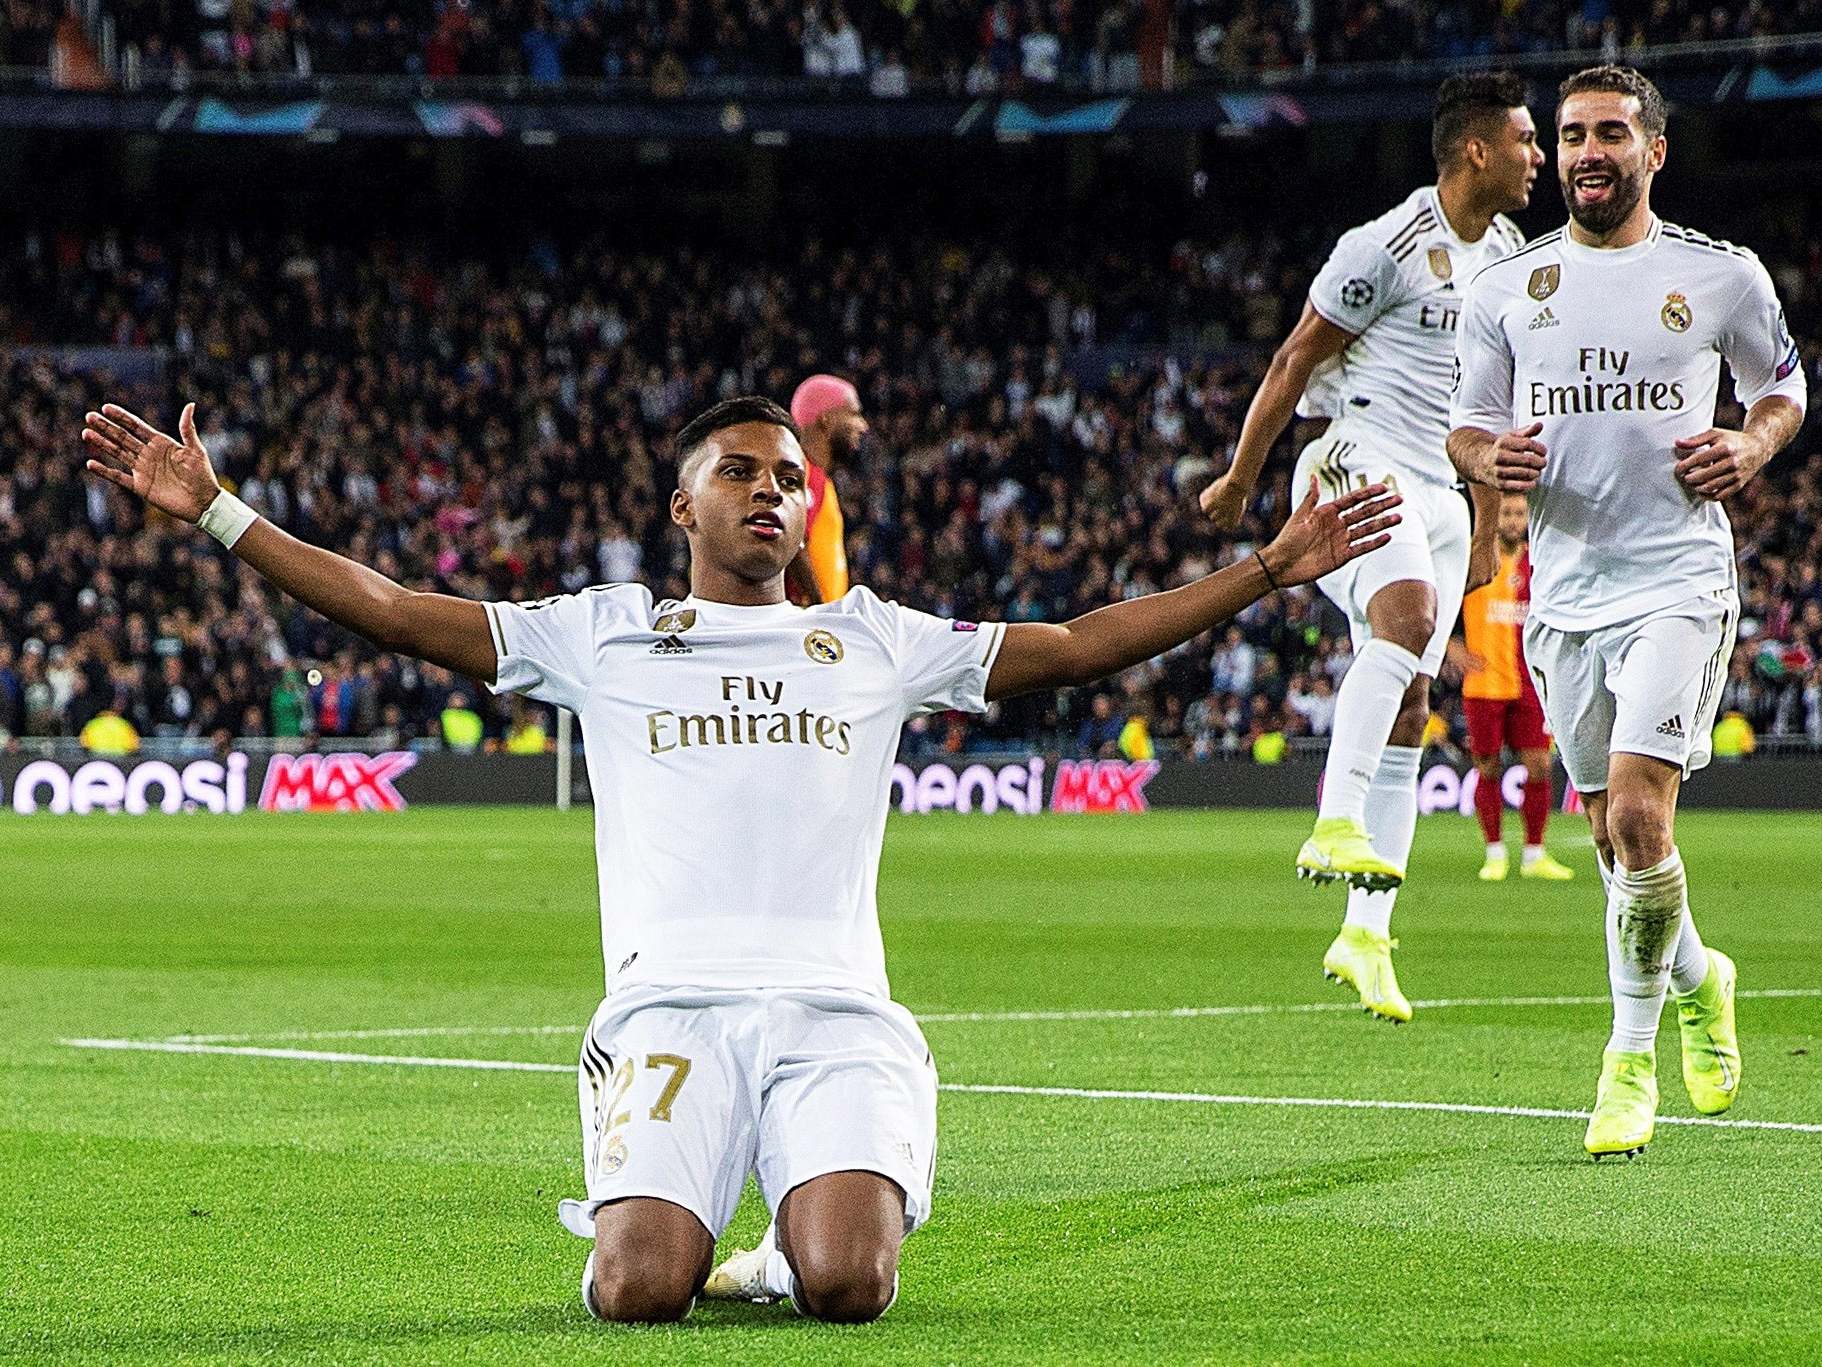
[[1382, 312], [739, 749], [1595, 352]]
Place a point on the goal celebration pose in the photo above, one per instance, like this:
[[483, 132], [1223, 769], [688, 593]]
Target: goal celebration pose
[[739, 749], [1590, 363], [1377, 335]]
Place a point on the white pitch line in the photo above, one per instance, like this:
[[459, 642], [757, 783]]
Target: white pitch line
[[976, 1017], [171, 1046], [978, 1089]]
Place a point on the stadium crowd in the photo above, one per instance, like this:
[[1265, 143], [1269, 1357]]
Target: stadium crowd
[[502, 431], [974, 46]]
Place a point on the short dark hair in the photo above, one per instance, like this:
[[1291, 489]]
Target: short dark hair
[[1619, 80], [1466, 104], [729, 413]]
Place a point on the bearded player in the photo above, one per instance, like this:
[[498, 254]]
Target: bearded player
[[1501, 705], [826, 409], [740, 750], [1383, 312], [1590, 364]]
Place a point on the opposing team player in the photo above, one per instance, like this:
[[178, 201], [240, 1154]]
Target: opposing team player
[[1590, 363], [1502, 706], [1384, 307], [739, 749], [826, 409]]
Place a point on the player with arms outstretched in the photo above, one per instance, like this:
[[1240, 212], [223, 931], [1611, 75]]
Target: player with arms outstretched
[[1501, 704], [739, 749], [1590, 364], [1381, 316]]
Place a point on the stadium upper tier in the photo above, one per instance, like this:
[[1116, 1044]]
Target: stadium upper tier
[[502, 431], [671, 47]]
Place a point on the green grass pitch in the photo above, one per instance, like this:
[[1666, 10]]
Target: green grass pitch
[[215, 1208]]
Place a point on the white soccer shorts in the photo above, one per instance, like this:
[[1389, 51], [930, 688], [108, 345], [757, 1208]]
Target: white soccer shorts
[[1429, 545], [1650, 686], [685, 1091]]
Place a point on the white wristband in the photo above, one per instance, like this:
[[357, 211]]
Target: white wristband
[[227, 519]]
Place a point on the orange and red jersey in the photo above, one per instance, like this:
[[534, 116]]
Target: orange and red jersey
[[823, 537], [1493, 620]]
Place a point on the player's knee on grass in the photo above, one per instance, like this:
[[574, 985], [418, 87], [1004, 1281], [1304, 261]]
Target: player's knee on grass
[[841, 1234], [651, 1258], [845, 1283], [626, 1291], [1413, 712]]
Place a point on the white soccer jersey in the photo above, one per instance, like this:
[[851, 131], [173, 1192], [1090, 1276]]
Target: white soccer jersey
[[1618, 353], [1321, 397], [1394, 283], [740, 759]]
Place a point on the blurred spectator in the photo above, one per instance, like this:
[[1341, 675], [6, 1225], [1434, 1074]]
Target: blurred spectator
[[1099, 734], [461, 725]]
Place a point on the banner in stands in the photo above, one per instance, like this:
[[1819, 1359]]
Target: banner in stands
[[1024, 785]]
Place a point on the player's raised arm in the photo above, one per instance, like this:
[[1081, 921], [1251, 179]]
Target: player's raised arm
[[1314, 340], [175, 477], [1316, 540]]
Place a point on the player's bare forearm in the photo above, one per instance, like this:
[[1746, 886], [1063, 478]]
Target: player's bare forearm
[[1313, 341], [1052, 655], [444, 630], [1510, 462], [1718, 463], [1313, 542], [1471, 453], [174, 475]]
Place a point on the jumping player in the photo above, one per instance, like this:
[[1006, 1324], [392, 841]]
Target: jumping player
[[1590, 365], [1501, 704], [739, 749], [1384, 307]]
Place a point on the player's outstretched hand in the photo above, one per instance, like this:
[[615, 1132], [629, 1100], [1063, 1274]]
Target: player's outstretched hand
[[1718, 463], [1323, 537], [1223, 502], [1518, 459], [175, 477]]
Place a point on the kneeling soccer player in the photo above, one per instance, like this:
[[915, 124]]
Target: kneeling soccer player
[[739, 750]]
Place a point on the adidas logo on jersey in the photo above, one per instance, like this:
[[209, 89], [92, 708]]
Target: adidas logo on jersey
[[1672, 728], [1544, 319], [671, 645]]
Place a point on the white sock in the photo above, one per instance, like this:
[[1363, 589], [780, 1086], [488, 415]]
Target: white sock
[[778, 1277], [1689, 969], [1365, 708], [1496, 851], [1645, 910], [1605, 869], [1391, 820], [1533, 853]]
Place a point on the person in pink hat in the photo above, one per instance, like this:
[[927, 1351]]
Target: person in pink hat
[[827, 409]]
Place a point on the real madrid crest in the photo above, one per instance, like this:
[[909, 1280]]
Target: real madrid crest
[[824, 647], [1440, 265], [1676, 314], [613, 1156], [1544, 281], [675, 621]]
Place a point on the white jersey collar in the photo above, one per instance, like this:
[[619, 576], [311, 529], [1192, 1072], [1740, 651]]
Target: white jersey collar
[[743, 612], [1584, 252]]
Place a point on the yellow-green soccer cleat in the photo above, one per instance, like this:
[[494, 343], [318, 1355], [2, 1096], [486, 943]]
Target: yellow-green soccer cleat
[[1626, 1107], [1496, 868], [1546, 868], [1339, 850], [1363, 960], [1711, 1044]]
